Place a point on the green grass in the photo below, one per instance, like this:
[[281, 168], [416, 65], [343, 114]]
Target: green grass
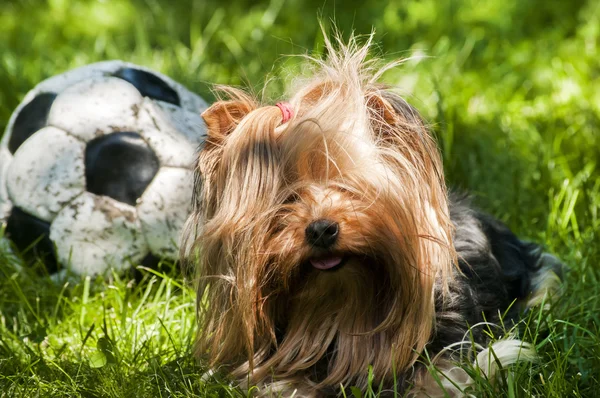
[[511, 88]]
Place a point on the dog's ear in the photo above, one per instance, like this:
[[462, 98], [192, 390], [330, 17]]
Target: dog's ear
[[221, 119], [392, 109], [399, 124], [223, 116], [382, 109]]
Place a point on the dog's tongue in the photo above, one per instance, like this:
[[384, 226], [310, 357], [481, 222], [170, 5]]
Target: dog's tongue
[[325, 262]]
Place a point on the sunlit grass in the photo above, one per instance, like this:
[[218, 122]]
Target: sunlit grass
[[510, 88]]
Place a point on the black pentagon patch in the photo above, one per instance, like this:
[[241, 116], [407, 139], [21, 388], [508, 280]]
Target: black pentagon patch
[[119, 165], [24, 230], [149, 85], [32, 118]]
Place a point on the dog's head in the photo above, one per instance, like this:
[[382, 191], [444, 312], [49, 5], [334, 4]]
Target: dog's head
[[318, 240]]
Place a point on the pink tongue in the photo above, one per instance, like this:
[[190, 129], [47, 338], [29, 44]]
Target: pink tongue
[[325, 262]]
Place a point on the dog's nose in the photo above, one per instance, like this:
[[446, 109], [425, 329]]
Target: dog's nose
[[322, 233]]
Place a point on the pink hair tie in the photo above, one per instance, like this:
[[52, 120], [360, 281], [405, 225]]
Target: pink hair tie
[[286, 111]]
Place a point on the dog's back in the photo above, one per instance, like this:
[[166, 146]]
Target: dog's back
[[501, 275]]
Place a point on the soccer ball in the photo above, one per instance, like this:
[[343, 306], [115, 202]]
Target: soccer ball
[[95, 167]]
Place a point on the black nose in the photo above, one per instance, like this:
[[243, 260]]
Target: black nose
[[322, 233]]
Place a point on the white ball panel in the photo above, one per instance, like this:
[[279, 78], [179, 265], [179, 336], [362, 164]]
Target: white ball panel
[[166, 139], [94, 233], [46, 173], [95, 107], [58, 83], [190, 124], [164, 208], [5, 204]]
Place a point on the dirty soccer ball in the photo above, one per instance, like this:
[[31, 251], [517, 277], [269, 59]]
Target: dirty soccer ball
[[95, 167]]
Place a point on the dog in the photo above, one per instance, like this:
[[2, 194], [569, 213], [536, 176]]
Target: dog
[[326, 242]]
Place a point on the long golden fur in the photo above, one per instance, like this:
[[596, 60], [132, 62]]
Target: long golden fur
[[356, 153], [353, 152]]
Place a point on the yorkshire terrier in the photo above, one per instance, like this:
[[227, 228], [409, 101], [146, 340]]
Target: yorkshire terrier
[[326, 243]]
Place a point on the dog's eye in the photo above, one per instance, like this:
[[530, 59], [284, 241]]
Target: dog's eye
[[293, 198], [345, 190]]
